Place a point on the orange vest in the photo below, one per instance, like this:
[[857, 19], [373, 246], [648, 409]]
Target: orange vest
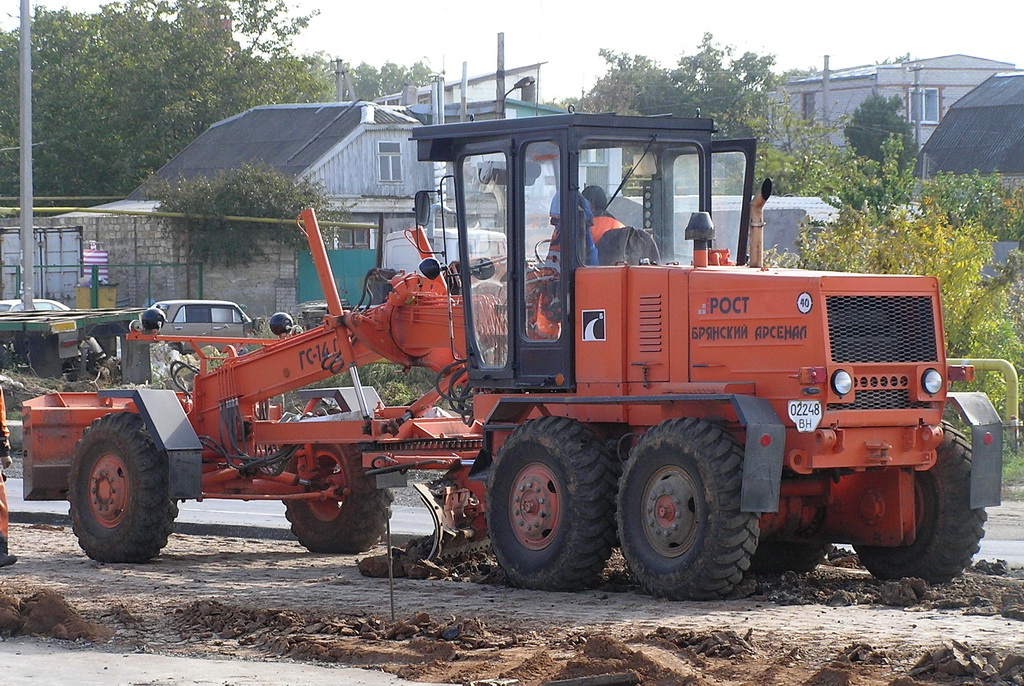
[[602, 224]]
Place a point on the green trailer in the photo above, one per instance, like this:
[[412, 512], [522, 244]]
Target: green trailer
[[52, 343]]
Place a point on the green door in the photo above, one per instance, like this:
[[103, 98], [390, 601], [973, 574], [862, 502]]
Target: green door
[[349, 267]]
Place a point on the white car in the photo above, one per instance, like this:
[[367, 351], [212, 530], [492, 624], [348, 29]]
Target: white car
[[40, 305]]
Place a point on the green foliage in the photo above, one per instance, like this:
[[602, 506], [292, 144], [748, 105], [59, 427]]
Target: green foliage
[[633, 84], [371, 82], [873, 123], [732, 89], [1013, 472], [251, 191], [972, 198], [118, 92]]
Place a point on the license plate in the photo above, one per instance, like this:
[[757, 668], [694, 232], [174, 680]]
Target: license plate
[[806, 414]]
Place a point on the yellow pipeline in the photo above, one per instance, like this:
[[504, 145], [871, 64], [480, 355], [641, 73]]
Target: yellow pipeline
[[1009, 373], [178, 215]]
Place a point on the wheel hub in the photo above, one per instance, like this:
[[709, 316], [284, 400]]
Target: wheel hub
[[670, 511], [108, 491], [534, 506]]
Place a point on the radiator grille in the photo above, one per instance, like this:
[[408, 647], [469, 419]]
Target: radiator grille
[[881, 400], [881, 328]]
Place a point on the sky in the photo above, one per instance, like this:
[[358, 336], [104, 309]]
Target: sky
[[567, 35]]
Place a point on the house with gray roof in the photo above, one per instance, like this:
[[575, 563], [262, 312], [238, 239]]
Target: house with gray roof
[[926, 87], [984, 131], [360, 151]]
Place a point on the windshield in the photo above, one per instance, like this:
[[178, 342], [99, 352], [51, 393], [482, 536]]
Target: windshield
[[649, 186]]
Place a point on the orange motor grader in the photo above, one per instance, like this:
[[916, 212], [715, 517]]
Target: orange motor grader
[[627, 374]]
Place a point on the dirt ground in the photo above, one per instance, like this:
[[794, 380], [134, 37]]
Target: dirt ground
[[209, 596]]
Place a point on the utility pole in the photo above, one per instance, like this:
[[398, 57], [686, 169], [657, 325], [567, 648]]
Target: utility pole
[[343, 82], [826, 78], [499, 77], [916, 106], [28, 241]]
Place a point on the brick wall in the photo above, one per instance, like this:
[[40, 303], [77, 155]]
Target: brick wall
[[262, 288]]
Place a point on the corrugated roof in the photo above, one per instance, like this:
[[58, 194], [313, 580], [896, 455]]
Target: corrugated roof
[[983, 131], [289, 138], [840, 74]]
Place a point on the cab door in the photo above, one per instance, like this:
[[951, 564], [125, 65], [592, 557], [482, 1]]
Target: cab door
[[732, 183]]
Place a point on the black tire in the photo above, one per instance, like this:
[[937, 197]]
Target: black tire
[[773, 557], [948, 530], [350, 526], [551, 505], [117, 488], [680, 523]]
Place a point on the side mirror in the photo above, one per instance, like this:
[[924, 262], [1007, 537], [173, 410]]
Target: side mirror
[[421, 205]]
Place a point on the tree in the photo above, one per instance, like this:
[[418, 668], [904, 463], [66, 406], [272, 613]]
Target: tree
[[633, 84], [119, 92], [370, 82], [973, 198], [734, 90], [250, 191], [875, 121]]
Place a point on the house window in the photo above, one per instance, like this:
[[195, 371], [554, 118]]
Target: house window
[[930, 100], [346, 239], [807, 105], [389, 156]]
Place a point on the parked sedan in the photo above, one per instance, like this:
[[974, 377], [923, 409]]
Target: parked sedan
[[39, 305], [204, 318]]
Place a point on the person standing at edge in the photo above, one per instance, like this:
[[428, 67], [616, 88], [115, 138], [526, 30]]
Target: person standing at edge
[[6, 558]]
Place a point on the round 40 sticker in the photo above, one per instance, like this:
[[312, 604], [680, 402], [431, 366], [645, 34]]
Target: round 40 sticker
[[804, 303]]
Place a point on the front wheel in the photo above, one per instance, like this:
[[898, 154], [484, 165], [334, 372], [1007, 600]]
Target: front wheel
[[348, 526], [551, 505], [117, 488], [680, 524], [948, 530]]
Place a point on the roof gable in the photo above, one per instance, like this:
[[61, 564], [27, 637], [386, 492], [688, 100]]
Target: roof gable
[[983, 131], [288, 138]]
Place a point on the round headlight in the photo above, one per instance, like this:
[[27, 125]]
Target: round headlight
[[931, 381], [842, 382]]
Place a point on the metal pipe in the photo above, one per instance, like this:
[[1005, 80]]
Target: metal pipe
[[755, 232], [1009, 373], [323, 266], [181, 215], [27, 219]]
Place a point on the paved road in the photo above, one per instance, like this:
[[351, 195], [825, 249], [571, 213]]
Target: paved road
[[30, 662], [1004, 538]]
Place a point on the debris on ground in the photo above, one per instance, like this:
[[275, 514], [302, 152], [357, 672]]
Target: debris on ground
[[960, 660], [225, 596], [47, 614]]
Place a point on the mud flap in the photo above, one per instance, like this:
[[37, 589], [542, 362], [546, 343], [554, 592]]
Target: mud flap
[[762, 454], [173, 433], [986, 447]]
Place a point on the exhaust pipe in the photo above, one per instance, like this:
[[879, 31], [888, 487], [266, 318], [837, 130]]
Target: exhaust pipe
[[755, 232]]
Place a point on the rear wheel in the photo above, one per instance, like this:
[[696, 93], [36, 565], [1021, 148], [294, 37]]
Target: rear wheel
[[348, 526], [680, 523], [551, 505], [117, 488], [948, 530], [786, 556]]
